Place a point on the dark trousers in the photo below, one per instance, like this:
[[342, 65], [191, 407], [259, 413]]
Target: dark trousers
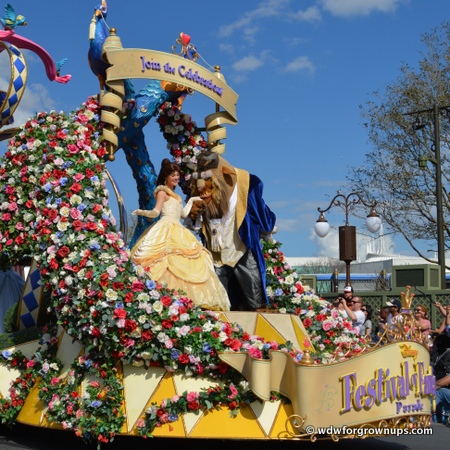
[[243, 284]]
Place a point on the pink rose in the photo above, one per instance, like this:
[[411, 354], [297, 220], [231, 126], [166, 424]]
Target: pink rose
[[73, 149]]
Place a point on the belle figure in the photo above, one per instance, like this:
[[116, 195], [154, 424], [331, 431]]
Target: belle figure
[[173, 254]]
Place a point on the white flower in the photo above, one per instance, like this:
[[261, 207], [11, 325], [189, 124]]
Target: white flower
[[111, 295], [142, 319], [289, 279], [75, 200], [158, 307], [207, 326], [143, 296], [162, 337]]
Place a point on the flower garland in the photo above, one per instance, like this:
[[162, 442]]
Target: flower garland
[[43, 367], [332, 334], [184, 140], [54, 206]]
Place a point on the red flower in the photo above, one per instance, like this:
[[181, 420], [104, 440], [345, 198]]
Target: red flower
[[307, 322], [166, 300], [222, 367], [232, 405], [120, 313], [53, 264], [146, 335], [63, 252], [137, 286], [91, 226], [76, 187], [183, 358], [77, 225], [194, 405], [118, 286], [130, 325]]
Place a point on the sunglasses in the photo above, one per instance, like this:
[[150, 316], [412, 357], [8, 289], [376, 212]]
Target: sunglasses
[[363, 309]]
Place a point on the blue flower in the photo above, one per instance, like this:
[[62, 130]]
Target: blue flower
[[175, 354], [94, 246], [150, 284], [88, 363], [279, 292], [81, 207], [6, 354], [63, 181], [47, 187], [94, 178], [206, 347], [95, 404], [172, 417], [119, 305]]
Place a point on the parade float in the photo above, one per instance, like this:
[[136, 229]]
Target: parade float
[[119, 354]]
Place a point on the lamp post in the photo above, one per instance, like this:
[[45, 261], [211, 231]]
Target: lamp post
[[436, 161], [347, 233]]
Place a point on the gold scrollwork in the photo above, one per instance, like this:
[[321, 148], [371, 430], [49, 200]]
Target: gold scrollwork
[[296, 429], [112, 101], [187, 49], [405, 328]]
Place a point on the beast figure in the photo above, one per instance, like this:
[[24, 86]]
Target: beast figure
[[233, 217]]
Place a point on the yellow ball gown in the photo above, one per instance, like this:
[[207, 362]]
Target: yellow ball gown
[[177, 259]]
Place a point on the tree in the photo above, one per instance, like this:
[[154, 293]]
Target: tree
[[406, 194], [323, 264]]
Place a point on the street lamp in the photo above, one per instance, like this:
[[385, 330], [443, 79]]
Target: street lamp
[[422, 161], [347, 233]]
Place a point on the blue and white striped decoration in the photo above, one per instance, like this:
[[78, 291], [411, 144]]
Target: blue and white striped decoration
[[19, 73], [31, 301]]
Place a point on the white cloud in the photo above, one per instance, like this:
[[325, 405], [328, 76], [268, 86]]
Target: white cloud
[[311, 14], [347, 8], [269, 8], [301, 63], [248, 64], [327, 246]]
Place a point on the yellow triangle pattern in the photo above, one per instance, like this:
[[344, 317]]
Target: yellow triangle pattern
[[32, 410], [242, 426], [264, 328], [139, 384]]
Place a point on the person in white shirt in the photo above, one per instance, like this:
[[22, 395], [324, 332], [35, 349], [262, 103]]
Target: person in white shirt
[[395, 306], [353, 310]]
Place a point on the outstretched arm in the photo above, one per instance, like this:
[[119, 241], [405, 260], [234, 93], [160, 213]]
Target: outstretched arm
[[161, 197]]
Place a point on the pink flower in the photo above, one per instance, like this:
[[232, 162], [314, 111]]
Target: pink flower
[[83, 118], [233, 390], [31, 363], [75, 213], [78, 177], [191, 396], [73, 149], [255, 352]]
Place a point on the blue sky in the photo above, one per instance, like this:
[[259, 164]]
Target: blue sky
[[301, 69]]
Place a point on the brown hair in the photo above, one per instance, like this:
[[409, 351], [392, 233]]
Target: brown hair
[[167, 167], [423, 308]]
